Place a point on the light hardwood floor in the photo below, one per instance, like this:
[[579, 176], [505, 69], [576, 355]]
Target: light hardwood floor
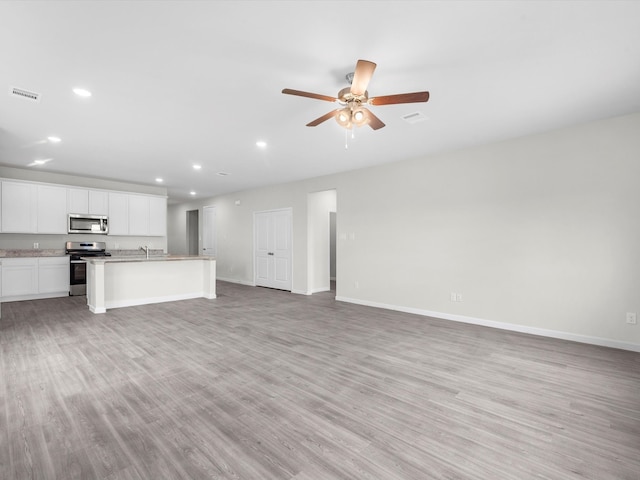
[[261, 384]]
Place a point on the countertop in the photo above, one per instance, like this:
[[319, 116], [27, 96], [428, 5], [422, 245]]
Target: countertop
[[55, 252], [41, 252], [143, 258]]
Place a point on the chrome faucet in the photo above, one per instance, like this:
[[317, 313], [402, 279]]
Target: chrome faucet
[[145, 249]]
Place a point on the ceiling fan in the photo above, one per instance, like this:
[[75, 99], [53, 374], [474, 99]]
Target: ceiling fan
[[354, 99]]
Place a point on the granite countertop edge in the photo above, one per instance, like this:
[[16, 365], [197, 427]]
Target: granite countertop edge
[[23, 253], [152, 258], [60, 252]]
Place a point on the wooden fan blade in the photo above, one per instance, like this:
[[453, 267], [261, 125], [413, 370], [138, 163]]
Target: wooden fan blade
[[317, 96], [373, 121], [400, 98], [361, 77], [323, 118]]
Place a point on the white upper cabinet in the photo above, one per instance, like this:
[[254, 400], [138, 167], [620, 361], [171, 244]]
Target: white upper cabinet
[[157, 216], [19, 207], [32, 207], [138, 215], [52, 209], [92, 202], [98, 202], [147, 215], [78, 200], [118, 213]]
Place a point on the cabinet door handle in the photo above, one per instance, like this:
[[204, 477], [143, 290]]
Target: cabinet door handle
[[270, 253]]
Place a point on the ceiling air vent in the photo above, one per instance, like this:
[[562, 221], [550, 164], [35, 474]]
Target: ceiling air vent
[[414, 117], [26, 94]]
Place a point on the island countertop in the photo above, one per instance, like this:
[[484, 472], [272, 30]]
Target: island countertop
[[142, 258]]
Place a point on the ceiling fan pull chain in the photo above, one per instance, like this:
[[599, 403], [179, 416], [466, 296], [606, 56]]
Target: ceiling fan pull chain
[[346, 139]]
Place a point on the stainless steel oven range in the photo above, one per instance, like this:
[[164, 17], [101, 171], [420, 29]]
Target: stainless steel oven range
[[78, 266]]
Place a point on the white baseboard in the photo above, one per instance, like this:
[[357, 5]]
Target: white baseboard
[[34, 296], [235, 280], [320, 289], [301, 292], [149, 300], [574, 337]]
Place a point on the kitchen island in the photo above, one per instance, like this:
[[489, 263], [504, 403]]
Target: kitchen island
[[114, 282]]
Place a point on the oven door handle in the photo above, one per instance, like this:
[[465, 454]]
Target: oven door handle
[[78, 261]]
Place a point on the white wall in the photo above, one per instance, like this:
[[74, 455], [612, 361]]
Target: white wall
[[235, 230], [537, 234]]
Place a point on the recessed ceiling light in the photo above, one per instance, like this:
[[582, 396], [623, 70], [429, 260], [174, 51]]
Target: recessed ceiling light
[[197, 167], [37, 163], [54, 139], [81, 92], [192, 193], [159, 180], [222, 174], [261, 143]]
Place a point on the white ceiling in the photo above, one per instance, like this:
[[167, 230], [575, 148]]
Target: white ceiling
[[178, 83]]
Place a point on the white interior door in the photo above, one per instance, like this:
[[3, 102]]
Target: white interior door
[[273, 249], [209, 245]]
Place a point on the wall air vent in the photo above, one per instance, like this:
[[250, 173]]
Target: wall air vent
[[26, 94], [414, 117]]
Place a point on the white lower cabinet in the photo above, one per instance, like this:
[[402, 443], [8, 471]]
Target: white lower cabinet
[[19, 277], [53, 275], [34, 277]]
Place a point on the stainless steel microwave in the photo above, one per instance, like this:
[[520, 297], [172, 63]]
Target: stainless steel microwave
[[81, 223]]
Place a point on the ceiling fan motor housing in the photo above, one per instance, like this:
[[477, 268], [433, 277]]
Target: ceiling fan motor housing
[[353, 113]]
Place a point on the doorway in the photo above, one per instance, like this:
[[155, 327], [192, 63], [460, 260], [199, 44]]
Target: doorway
[[209, 239], [332, 250], [193, 228], [321, 251]]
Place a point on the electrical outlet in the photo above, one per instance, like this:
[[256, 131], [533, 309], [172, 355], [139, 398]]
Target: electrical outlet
[[453, 296], [36, 245], [631, 318], [458, 297]]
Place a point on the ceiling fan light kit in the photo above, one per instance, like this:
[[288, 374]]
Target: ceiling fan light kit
[[349, 116], [354, 98]]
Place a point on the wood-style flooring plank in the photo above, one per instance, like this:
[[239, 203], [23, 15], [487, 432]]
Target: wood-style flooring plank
[[261, 384]]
